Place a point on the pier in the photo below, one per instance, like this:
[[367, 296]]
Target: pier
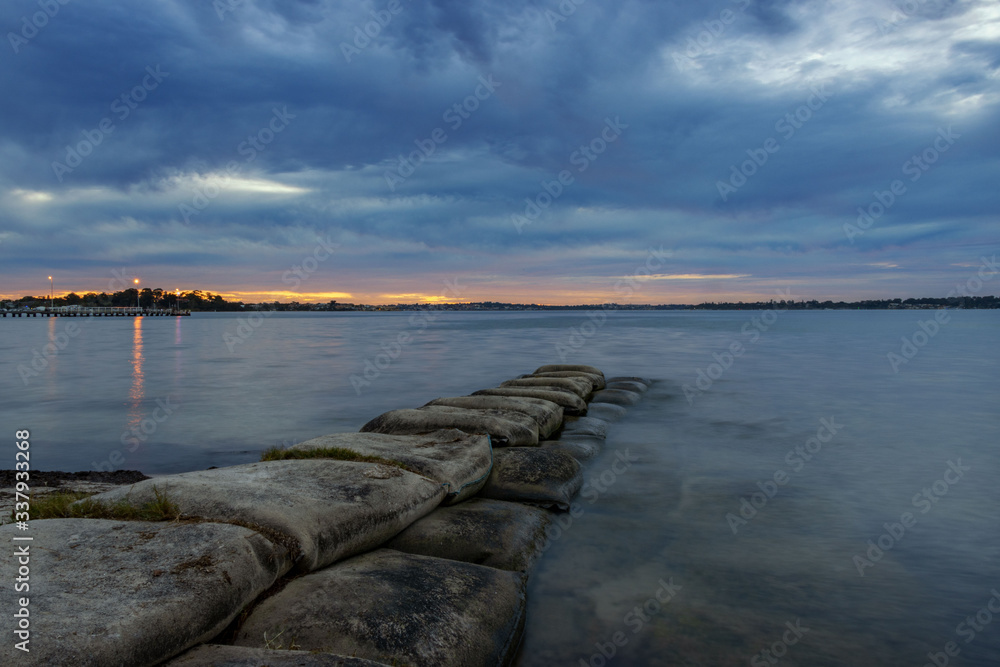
[[70, 311]]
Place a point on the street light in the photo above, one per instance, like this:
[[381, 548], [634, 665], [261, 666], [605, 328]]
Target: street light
[[51, 301], [136, 281]]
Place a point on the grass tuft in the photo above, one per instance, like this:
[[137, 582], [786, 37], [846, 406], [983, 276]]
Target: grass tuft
[[81, 506], [335, 453]]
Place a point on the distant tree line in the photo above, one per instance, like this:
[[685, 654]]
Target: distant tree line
[[197, 300], [979, 302]]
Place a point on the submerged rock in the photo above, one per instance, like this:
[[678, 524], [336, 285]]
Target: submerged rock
[[589, 426], [582, 387], [504, 428], [547, 415], [495, 533], [570, 402], [398, 609], [609, 412], [628, 385], [631, 378], [617, 397], [596, 381], [326, 510], [460, 461], [539, 476], [131, 593], [555, 368]]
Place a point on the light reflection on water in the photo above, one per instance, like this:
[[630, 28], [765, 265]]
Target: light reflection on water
[[666, 517], [136, 396]]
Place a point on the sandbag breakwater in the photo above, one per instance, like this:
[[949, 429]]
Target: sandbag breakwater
[[408, 543]]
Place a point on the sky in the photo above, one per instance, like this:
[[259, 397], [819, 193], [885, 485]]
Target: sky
[[530, 151]]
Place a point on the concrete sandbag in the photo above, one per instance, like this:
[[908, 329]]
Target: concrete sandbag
[[597, 381], [548, 415], [399, 609], [538, 476], [588, 426], [617, 397], [631, 378], [495, 533], [581, 448], [216, 655], [504, 429], [554, 368], [628, 385], [127, 594], [582, 387], [609, 412], [325, 510], [460, 461], [570, 402]]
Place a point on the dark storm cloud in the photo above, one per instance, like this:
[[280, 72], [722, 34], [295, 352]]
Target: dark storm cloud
[[849, 93]]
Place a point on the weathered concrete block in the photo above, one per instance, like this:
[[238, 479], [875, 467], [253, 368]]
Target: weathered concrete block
[[504, 428], [596, 381], [609, 412], [617, 397], [589, 426], [628, 385], [117, 593], [398, 609], [548, 415], [325, 510], [495, 533], [581, 448], [624, 378], [540, 476], [214, 655], [582, 387], [554, 368], [570, 402], [451, 457]]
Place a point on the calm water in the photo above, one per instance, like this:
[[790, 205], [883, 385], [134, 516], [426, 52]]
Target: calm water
[[103, 401]]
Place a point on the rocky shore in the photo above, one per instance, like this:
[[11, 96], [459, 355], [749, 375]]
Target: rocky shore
[[409, 543]]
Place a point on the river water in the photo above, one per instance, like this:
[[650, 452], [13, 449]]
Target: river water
[[671, 559]]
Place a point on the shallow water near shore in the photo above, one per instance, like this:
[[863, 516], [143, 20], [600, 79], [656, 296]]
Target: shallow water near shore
[[170, 395]]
